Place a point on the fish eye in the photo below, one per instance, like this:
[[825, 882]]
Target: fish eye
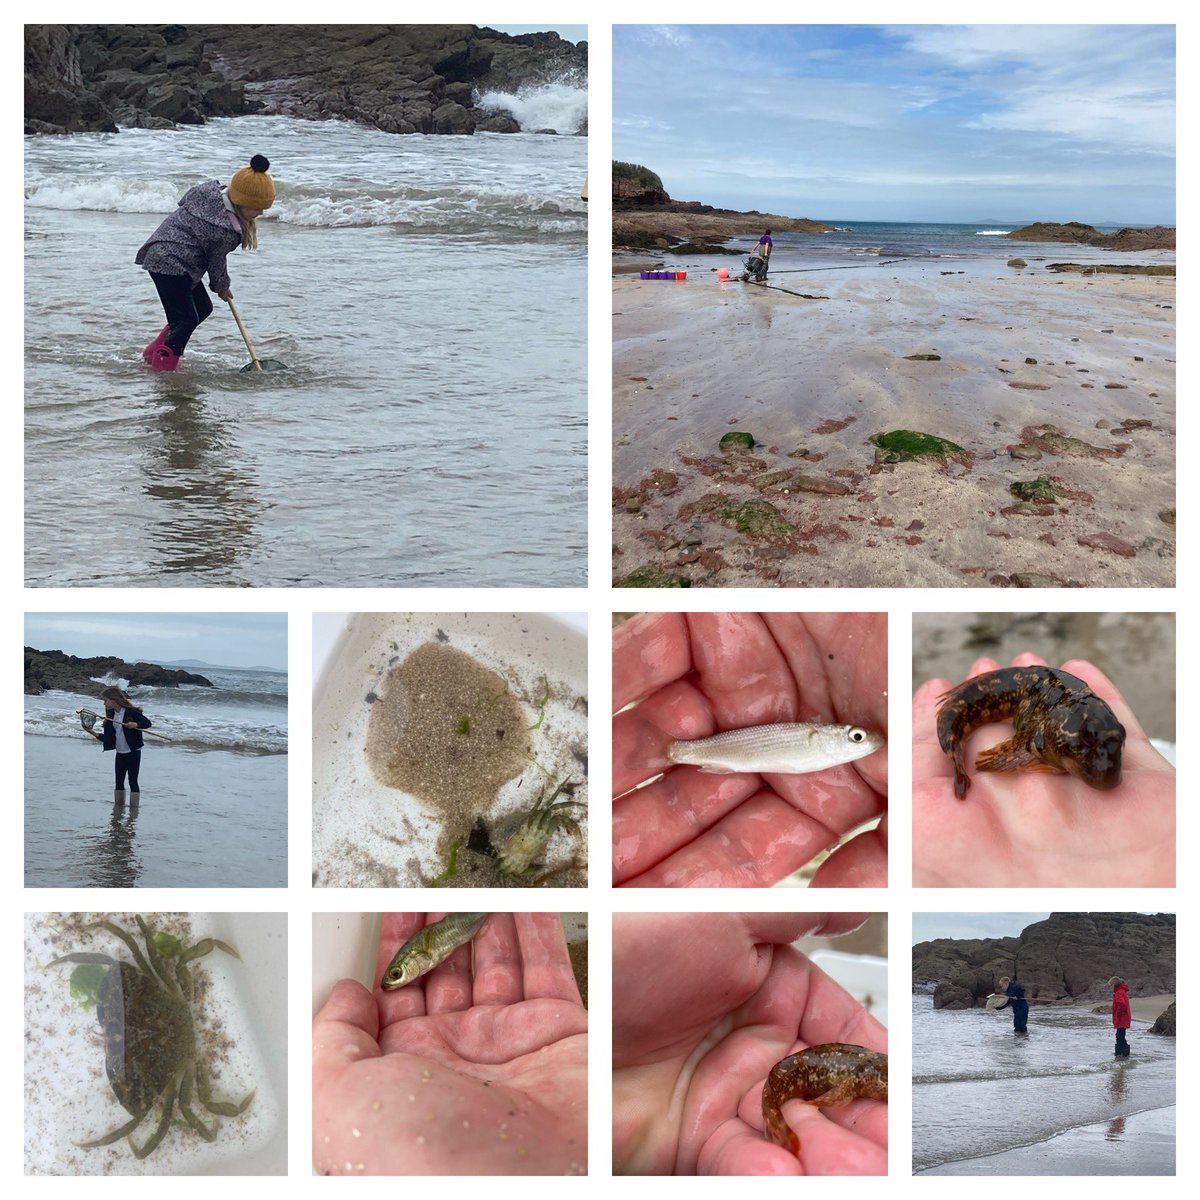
[[858, 735]]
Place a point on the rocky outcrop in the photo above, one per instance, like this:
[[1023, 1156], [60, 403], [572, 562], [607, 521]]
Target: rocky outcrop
[[1160, 237], [1165, 1024], [1066, 958], [52, 669], [399, 78], [646, 218]]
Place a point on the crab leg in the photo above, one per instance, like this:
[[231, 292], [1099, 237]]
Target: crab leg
[[185, 1106], [156, 959], [138, 956], [160, 1132], [223, 1108], [82, 956], [116, 1135]]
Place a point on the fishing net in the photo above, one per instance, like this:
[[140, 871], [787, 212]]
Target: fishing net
[[87, 720]]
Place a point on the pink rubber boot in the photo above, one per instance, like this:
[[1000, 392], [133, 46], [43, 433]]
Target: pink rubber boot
[[148, 353], [164, 359]]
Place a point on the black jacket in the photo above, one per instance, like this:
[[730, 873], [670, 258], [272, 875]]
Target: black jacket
[[132, 736]]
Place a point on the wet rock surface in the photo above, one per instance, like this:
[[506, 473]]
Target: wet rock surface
[[398, 78]]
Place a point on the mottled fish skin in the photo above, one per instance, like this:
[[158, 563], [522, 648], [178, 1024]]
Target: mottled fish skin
[[430, 946], [777, 749], [821, 1075], [1059, 725]]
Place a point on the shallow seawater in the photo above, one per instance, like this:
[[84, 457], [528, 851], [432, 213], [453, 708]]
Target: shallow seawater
[[978, 1088], [69, 1100], [367, 834], [428, 295]]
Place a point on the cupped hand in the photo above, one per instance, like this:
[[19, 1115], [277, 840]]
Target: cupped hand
[[694, 675], [704, 1005], [457, 1073], [1032, 829]]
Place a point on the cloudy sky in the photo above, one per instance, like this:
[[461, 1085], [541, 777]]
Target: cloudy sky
[[222, 639], [927, 926], [905, 123]]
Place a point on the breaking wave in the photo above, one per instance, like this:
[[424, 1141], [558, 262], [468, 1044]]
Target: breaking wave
[[560, 106]]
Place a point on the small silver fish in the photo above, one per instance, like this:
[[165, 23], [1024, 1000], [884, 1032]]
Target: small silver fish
[[778, 749], [430, 946]]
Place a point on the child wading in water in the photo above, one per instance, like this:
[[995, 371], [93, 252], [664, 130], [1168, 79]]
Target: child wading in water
[[210, 222], [123, 733]]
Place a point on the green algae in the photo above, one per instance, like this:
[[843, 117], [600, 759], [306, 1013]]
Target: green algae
[[1035, 491], [907, 445], [648, 577], [737, 443]]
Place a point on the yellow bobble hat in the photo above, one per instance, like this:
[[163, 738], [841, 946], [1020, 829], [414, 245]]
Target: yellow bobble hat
[[252, 187]]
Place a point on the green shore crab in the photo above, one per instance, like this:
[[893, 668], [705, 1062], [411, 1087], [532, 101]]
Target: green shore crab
[[144, 1009]]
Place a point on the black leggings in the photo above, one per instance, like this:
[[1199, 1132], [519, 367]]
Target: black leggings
[[1122, 1049], [128, 763], [186, 305]]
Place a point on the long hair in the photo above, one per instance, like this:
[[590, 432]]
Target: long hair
[[118, 697], [249, 233]]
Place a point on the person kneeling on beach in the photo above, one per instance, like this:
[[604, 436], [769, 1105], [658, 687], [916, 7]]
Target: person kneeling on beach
[[1122, 1015], [756, 268], [210, 222], [1016, 998]]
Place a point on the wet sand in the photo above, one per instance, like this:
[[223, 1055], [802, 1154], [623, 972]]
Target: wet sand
[[1142, 1144], [813, 380]]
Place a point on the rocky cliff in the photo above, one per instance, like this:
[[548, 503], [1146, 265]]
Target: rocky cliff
[[1160, 237], [399, 78], [52, 669], [1066, 958]]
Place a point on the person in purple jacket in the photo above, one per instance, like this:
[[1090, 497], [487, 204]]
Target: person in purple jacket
[[210, 222]]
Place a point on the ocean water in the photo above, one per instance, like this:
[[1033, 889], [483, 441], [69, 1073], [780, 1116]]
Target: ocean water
[[979, 1089], [246, 712], [428, 295], [879, 239], [213, 809]]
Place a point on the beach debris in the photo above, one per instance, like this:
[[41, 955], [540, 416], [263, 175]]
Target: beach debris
[[1031, 362], [834, 425], [771, 478], [758, 518], [1017, 262], [736, 443], [647, 577], [1107, 541], [1040, 490], [819, 487], [1113, 268], [1117, 387], [1052, 440], [1032, 579], [908, 445], [1030, 387], [923, 357]]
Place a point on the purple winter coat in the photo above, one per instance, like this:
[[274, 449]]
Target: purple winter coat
[[195, 238]]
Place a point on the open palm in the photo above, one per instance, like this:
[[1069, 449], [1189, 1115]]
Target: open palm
[[1031, 829], [693, 675], [704, 1005], [457, 1073]]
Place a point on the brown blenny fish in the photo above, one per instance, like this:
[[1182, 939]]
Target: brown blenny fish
[[821, 1075], [1059, 724]]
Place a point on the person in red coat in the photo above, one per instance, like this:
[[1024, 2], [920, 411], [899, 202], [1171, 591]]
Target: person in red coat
[[1122, 1017]]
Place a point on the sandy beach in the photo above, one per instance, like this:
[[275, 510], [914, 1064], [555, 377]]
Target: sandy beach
[[1061, 377], [1141, 1144]]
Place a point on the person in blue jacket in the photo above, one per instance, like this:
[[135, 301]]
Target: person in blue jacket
[[123, 733], [1016, 1000]]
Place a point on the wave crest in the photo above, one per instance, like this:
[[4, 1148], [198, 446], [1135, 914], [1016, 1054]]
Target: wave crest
[[560, 106]]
